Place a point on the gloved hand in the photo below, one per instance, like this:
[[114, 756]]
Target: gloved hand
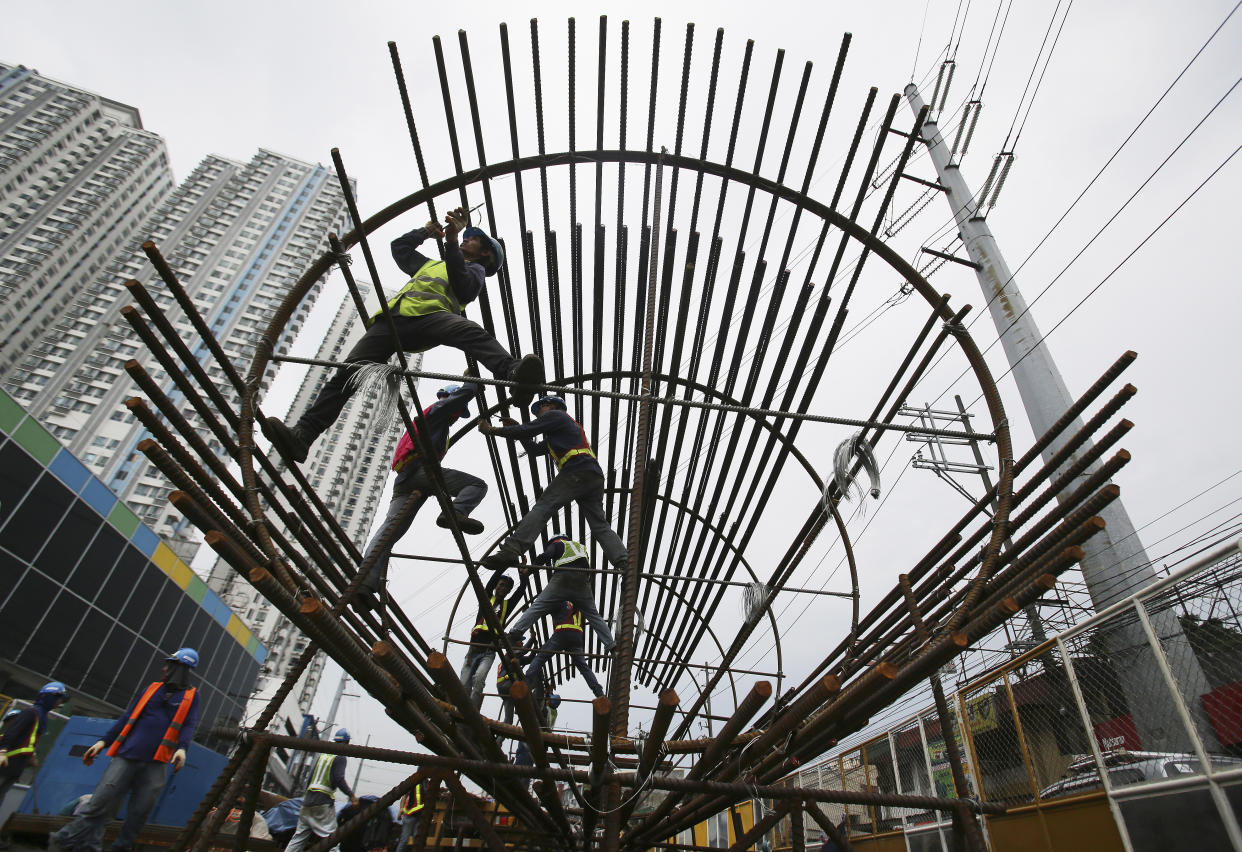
[[486, 427], [178, 759], [509, 421]]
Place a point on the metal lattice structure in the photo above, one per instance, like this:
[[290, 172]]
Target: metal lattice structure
[[698, 365]]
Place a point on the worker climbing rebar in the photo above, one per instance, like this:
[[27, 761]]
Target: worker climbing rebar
[[413, 482], [579, 478], [426, 312]]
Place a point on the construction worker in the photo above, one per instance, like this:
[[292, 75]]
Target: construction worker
[[154, 732], [547, 722], [482, 651], [317, 818], [452, 402], [22, 729], [411, 812], [426, 312], [570, 582], [506, 676], [578, 478], [568, 636]]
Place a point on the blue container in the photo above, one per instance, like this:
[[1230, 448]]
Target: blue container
[[63, 778]]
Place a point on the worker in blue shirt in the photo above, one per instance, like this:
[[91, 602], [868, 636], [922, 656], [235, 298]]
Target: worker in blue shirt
[[318, 815], [154, 732], [22, 731], [570, 582], [467, 490], [578, 478], [569, 637], [427, 312]]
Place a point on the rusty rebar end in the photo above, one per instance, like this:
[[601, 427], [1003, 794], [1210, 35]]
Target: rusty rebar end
[[148, 245], [381, 649], [601, 706], [135, 402], [831, 683], [1074, 553], [668, 698], [1010, 605], [763, 689], [310, 606], [959, 639], [888, 671], [146, 444], [1046, 581], [436, 661]]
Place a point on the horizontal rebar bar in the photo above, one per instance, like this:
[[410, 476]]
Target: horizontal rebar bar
[[666, 400]]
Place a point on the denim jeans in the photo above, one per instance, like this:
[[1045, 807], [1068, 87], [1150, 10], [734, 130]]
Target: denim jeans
[[409, 827], [467, 490], [475, 670], [584, 485], [572, 586], [569, 641], [141, 781], [416, 334]]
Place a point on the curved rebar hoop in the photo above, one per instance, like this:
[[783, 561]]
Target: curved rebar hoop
[[707, 482]]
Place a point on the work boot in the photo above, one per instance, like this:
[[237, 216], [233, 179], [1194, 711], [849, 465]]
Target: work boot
[[467, 524], [290, 441], [501, 559], [528, 373]]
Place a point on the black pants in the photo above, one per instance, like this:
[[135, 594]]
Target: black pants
[[416, 334]]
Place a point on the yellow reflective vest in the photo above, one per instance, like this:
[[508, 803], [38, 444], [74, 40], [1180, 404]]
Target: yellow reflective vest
[[428, 292]]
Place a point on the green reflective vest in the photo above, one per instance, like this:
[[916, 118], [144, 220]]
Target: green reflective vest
[[321, 776], [427, 292]]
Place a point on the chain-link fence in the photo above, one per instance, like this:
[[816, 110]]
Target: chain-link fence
[[1124, 732]]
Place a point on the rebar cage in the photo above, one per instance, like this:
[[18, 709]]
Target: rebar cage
[[694, 363]]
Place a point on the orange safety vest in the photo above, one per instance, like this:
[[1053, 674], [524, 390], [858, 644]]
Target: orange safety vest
[[412, 805], [168, 744]]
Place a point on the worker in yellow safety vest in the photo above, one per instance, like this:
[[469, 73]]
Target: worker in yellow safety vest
[[317, 818], [22, 729], [426, 312], [578, 478], [482, 651], [567, 636], [412, 805]]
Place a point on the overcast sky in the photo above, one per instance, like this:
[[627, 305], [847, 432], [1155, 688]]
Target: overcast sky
[[299, 78]]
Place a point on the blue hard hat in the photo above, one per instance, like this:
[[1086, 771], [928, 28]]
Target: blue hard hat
[[554, 701], [449, 390], [498, 252], [544, 400], [54, 687], [341, 736], [185, 656]]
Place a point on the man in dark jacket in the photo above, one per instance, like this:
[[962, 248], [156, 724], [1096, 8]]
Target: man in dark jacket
[[569, 637], [427, 312], [155, 731], [467, 490], [22, 732], [318, 815], [578, 478], [482, 651]]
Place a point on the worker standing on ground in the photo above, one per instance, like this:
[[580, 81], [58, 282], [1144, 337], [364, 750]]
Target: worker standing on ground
[[467, 490], [22, 732], [154, 732], [568, 636], [412, 805], [578, 478], [317, 818], [482, 651], [570, 582], [427, 312]]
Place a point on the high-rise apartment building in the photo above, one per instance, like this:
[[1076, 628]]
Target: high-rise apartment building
[[78, 177], [348, 470], [237, 235]]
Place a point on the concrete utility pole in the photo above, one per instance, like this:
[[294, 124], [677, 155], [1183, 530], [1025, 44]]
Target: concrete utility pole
[[1116, 565]]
